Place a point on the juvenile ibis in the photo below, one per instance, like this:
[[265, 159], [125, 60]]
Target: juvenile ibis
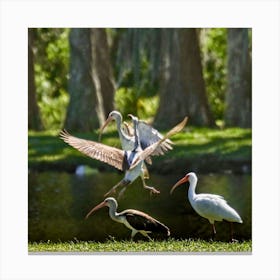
[[129, 161], [136, 221], [210, 206]]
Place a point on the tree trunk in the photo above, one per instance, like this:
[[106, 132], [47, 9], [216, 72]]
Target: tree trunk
[[182, 88], [34, 119], [91, 83], [239, 93], [102, 71]]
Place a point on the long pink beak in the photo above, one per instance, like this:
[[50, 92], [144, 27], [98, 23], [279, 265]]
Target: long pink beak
[[180, 182], [100, 205], [109, 119]]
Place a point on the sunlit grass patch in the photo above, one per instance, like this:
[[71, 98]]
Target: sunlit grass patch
[[170, 245], [192, 145]]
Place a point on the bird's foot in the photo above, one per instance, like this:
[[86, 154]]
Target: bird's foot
[[113, 190], [152, 190], [212, 238], [119, 184], [232, 240]]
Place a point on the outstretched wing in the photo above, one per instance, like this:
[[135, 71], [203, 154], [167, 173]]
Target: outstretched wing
[[110, 155], [149, 150], [149, 135]]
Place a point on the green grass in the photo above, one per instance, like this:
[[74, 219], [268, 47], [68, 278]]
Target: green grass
[[207, 148], [170, 245]]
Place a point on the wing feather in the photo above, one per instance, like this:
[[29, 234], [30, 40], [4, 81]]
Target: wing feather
[[110, 155], [149, 150], [149, 135], [142, 221]]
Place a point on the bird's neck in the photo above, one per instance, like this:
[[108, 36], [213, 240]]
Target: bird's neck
[[119, 122], [113, 213], [136, 144], [191, 191], [124, 138]]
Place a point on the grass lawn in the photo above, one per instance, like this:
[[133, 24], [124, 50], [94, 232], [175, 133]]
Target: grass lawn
[[170, 245], [212, 150]]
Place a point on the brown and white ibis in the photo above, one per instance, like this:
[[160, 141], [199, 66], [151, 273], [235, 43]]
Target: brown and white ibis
[[136, 221], [210, 206], [129, 161]]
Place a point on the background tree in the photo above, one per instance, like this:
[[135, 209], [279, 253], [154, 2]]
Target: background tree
[[136, 60], [51, 56], [91, 85], [102, 72], [182, 88], [239, 93], [152, 66], [213, 48], [34, 119]]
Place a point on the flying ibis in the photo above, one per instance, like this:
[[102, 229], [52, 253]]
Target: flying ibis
[[210, 206], [146, 136], [136, 221], [129, 161]]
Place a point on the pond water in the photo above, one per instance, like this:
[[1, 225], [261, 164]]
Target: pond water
[[58, 203]]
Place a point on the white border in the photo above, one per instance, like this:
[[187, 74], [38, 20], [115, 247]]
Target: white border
[[262, 16]]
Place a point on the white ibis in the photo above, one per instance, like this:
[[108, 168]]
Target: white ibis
[[135, 220], [147, 135], [129, 161], [210, 206]]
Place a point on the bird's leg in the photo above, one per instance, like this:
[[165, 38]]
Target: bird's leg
[[145, 171], [133, 234], [231, 233], [113, 189], [152, 189], [146, 235], [213, 231], [122, 191]]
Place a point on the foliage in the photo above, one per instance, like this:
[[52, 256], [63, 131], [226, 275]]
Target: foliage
[[170, 245], [127, 103], [213, 52], [136, 69], [136, 58], [51, 55]]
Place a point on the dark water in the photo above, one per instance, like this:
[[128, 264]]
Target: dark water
[[58, 203]]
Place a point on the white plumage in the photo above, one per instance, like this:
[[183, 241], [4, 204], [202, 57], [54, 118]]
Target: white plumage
[[210, 206], [135, 140], [147, 135]]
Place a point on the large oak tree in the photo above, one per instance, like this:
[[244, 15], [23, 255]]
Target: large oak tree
[[91, 84], [182, 88]]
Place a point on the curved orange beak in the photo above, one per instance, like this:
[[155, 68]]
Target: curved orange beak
[[100, 205], [109, 119], [180, 182]]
